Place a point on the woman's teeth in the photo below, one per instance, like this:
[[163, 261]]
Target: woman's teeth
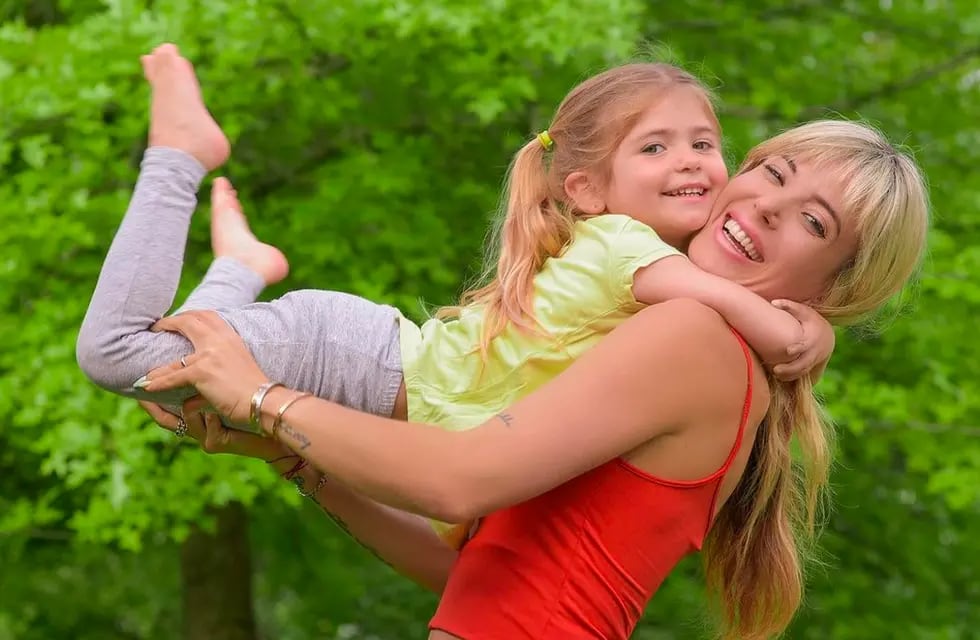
[[742, 240]]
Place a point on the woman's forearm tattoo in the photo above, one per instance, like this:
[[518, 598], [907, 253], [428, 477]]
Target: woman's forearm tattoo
[[301, 438]]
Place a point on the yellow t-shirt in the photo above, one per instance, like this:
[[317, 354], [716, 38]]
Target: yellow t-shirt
[[579, 297]]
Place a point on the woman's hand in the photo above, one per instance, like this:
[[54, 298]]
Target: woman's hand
[[221, 367], [206, 429]]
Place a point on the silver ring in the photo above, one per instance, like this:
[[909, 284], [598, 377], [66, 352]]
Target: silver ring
[[181, 429], [183, 361]]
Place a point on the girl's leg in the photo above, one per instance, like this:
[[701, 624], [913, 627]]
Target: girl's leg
[[334, 345], [243, 266]]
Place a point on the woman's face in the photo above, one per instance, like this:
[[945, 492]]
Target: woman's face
[[779, 229]]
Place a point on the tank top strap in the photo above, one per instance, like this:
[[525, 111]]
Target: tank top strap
[[746, 404]]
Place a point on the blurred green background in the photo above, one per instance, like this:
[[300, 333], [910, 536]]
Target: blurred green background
[[370, 138]]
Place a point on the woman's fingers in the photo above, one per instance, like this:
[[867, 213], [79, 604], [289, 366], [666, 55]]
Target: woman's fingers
[[196, 326], [193, 425], [194, 404], [167, 377], [160, 415]]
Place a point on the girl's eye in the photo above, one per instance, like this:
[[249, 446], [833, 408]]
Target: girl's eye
[[816, 225], [656, 147], [703, 145], [775, 174]]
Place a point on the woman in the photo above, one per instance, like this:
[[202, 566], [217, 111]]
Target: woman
[[664, 437]]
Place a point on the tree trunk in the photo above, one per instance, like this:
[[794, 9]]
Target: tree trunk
[[216, 579]]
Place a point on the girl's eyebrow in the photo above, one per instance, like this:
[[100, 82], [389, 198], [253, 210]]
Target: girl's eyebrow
[[663, 133]]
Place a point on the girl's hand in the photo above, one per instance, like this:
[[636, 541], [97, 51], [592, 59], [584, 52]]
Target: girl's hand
[[221, 367], [814, 351], [206, 429]]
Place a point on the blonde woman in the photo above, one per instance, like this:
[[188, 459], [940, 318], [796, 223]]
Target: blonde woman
[[666, 438]]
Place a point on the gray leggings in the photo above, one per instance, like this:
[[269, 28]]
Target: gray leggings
[[337, 346]]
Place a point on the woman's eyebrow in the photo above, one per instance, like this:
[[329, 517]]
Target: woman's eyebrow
[[833, 212]]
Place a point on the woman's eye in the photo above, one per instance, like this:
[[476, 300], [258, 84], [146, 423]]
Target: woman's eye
[[703, 145], [775, 174], [656, 147], [816, 225]]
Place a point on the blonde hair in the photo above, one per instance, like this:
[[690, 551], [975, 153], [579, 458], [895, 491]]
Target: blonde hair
[[536, 217], [754, 552]]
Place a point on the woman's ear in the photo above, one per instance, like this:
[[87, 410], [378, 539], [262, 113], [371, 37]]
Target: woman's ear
[[584, 193]]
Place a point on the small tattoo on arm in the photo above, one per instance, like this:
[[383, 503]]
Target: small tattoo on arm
[[506, 418], [301, 438]]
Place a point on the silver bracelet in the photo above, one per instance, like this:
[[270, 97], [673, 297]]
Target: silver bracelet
[[255, 406]]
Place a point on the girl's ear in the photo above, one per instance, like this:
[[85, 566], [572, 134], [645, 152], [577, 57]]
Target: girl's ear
[[584, 193]]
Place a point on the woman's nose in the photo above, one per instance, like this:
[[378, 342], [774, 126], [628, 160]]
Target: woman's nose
[[767, 209]]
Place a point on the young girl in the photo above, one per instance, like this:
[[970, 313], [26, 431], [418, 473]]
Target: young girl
[[597, 207]]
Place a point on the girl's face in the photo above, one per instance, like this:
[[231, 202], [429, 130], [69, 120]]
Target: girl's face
[[779, 229], [667, 170]]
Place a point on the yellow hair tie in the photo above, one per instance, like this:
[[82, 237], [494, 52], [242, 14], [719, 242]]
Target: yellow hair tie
[[545, 139]]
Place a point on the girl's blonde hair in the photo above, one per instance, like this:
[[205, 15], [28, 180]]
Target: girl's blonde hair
[[536, 217], [753, 552]]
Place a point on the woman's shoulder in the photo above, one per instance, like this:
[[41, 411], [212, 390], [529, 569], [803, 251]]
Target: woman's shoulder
[[702, 348]]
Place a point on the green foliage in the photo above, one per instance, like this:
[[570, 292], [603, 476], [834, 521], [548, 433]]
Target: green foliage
[[370, 139]]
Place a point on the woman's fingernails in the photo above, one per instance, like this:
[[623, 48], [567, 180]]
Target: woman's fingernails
[[142, 383]]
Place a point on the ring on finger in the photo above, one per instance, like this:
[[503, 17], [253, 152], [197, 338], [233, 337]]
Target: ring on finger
[[181, 429]]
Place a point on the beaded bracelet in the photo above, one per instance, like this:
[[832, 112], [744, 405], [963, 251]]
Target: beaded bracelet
[[312, 494]]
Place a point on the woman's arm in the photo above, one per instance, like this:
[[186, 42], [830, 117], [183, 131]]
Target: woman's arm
[[404, 541], [646, 379]]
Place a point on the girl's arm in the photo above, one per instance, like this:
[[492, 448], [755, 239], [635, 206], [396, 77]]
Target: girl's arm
[[404, 541], [777, 336], [656, 374]]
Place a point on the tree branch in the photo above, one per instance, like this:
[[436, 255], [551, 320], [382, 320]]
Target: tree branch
[[888, 89]]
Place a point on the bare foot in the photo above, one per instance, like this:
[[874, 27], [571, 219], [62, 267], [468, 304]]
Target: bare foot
[[178, 117], [232, 237]]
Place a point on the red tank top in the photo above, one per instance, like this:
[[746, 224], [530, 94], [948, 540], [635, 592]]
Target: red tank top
[[582, 560]]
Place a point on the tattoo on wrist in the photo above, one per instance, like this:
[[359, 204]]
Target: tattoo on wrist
[[506, 418], [301, 438]]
